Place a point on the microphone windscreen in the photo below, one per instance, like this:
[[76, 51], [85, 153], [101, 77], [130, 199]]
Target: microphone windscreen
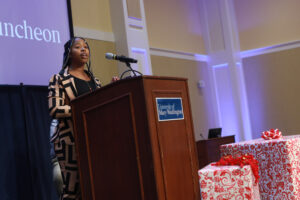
[[109, 56]]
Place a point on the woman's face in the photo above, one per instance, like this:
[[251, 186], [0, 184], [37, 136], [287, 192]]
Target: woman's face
[[79, 52]]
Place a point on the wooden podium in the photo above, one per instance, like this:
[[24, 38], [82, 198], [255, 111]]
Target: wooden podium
[[125, 152]]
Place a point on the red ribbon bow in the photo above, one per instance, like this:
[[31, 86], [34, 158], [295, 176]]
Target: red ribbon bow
[[242, 160], [271, 134]]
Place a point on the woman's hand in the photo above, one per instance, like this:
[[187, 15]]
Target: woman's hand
[[115, 78]]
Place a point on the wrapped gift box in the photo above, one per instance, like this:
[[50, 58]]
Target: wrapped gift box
[[228, 182], [279, 165]]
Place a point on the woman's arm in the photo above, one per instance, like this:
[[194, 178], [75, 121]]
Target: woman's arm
[[57, 99]]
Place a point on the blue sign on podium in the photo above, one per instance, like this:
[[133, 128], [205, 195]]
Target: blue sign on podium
[[169, 109]]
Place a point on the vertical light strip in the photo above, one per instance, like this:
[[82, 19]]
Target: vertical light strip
[[244, 104], [214, 67]]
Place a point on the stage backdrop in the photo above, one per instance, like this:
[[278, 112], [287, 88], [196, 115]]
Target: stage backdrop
[[25, 167], [32, 34]]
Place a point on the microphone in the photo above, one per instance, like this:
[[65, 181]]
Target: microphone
[[121, 58]]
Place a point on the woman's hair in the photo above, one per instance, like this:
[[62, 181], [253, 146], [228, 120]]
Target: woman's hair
[[66, 56]]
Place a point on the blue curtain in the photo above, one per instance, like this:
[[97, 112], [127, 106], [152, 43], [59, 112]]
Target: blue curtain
[[25, 166]]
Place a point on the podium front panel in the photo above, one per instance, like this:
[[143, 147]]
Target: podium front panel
[[176, 158], [116, 145]]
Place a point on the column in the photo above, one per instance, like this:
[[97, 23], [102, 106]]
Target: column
[[129, 27], [229, 99]]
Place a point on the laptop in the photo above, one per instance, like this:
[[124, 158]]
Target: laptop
[[214, 133]]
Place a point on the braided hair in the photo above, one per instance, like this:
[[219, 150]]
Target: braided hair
[[67, 52]]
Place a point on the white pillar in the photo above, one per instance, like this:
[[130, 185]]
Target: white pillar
[[229, 97], [131, 36]]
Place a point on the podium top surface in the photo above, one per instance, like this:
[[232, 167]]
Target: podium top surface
[[129, 79]]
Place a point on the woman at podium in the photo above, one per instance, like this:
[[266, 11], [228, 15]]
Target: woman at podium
[[74, 79]]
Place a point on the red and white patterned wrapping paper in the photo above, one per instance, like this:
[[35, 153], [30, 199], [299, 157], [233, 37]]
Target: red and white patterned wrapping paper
[[279, 165], [228, 182]]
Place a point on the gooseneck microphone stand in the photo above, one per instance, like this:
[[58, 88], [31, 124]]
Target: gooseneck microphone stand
[[135, 72]]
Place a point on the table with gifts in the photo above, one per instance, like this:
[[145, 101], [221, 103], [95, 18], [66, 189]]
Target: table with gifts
[[279, 165], [228, 182]]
